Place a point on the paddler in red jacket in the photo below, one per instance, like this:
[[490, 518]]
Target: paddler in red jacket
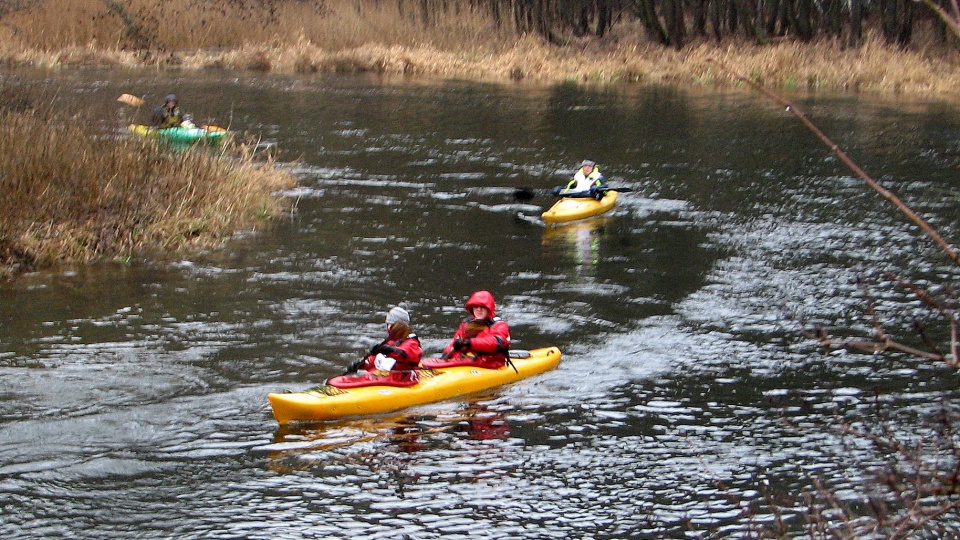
[[482, 338], [393, 362]]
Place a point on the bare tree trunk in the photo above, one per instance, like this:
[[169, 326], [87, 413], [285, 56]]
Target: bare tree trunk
[[747, 14], [805, 19], [716, 16], [648, 15], [896, 18], [604, 14], [582, 26], [774, 8], [888, 19], [834, 17], [732, 19], [699, 14], [856, 23], [673, 18], [905, 33]]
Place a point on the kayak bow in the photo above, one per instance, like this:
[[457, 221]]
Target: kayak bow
[[574, 208]]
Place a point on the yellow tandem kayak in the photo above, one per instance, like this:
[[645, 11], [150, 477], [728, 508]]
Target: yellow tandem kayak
[[574, 208], [329, 402]]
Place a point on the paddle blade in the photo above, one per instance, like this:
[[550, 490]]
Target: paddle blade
[[523, 194], [130, 100]]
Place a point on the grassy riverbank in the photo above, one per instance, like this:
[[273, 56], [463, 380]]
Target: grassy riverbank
[[70, 195], [307, 36]]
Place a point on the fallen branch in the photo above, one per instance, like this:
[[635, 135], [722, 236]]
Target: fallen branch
[[925, 297], [872, 346]]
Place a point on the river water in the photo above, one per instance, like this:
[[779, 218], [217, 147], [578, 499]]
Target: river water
[[133, 397]]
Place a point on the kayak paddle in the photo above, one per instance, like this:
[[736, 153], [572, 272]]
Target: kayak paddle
[[526, 194]]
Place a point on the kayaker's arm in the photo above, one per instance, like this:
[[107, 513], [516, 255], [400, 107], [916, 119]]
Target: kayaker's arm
[[496, 340], [454, 343], [355, 366], [390, 350]]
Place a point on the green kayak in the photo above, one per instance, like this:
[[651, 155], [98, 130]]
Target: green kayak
[[179, 134]]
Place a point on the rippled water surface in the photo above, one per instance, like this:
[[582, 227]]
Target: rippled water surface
[[133, 397]]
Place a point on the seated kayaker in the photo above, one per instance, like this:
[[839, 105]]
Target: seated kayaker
[[392, 362], [168, 114], [482, 339], [187, 121], [587, 182]]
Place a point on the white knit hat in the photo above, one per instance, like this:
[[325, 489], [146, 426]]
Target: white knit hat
[[398, 314]]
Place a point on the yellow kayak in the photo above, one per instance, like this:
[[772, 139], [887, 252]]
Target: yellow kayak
[[329, 402], [574, 208]]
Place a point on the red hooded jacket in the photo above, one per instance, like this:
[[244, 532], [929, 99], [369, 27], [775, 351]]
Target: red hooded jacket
[[485, 341]]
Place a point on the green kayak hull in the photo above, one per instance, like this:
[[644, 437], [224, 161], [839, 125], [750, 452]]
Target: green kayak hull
[[180, 134]]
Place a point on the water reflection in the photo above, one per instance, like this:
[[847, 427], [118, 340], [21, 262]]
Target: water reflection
[[580, 242], [481, 422], [296, 445]]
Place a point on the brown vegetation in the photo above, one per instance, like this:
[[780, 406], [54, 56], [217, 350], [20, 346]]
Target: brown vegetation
[[69, 195], [461, 39]]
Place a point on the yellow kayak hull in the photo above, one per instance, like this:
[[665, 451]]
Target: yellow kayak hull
[[328, 402], [574, 208]]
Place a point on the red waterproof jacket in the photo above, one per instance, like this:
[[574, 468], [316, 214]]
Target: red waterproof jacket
[[403, 373], [486, 341], [407, 355]]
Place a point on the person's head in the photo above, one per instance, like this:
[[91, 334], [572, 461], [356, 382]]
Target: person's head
[[587, 166], [398, 323], [170, 100], [481, 305]]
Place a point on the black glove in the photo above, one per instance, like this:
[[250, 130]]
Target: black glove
[[556, 190], [356, 365], [388, 349], [462, 345]]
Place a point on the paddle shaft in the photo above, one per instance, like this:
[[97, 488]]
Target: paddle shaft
[[526, 194]]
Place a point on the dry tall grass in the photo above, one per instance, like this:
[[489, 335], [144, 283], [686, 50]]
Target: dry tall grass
[[171, 25], [307, 36], [68, 195]]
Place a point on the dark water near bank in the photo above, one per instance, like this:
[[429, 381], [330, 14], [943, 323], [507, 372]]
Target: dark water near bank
[[133, 398]]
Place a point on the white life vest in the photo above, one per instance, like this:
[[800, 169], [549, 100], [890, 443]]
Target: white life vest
[[583, 182]]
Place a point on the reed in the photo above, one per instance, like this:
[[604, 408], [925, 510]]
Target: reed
[[69, 195]]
